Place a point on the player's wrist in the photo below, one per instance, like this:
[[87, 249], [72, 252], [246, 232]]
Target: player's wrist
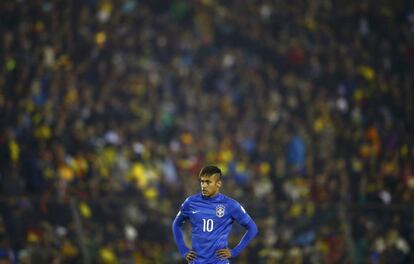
[[185, 253]]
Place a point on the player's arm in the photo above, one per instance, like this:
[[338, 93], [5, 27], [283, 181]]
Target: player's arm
[[177, 227], [240, 215]]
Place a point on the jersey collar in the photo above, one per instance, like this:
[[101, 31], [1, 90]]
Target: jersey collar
[[217, 197]]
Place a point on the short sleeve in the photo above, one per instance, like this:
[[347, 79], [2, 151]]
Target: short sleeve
[[239, 214]]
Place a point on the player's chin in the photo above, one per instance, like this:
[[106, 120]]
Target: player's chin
[[204, 193]]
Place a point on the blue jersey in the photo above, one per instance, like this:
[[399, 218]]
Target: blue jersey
[[211, 220]]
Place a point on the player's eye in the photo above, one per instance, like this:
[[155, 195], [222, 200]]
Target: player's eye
[[205, 182]]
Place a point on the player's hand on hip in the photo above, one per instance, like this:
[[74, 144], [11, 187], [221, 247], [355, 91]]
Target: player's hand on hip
[[223, 253], [191, 255]]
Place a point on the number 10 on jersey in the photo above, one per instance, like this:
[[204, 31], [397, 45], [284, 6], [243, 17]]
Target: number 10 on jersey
[[208, 225]]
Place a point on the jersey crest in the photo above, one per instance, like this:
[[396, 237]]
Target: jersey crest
[[220, 209]]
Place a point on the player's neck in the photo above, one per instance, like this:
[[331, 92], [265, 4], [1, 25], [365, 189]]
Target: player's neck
[[211, 196]]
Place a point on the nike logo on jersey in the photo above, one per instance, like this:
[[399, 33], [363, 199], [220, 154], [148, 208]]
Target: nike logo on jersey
[[194, 212]]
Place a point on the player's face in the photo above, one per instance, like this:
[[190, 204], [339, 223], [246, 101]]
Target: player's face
[[210, 186]]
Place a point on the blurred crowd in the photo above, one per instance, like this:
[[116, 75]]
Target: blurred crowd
[[109, 108]]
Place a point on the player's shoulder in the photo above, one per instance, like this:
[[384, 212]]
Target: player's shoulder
[[234, 204], [193, 197], [229, 200]]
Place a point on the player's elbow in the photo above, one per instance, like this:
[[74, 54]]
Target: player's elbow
[[253, 228], [256, 229]]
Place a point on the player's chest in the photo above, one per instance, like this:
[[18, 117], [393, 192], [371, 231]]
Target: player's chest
[[217, 211]]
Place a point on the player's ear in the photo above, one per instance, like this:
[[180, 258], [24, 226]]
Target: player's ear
[[219, 183]]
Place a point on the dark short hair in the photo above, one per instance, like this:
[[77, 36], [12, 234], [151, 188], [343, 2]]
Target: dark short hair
[[210, 170]]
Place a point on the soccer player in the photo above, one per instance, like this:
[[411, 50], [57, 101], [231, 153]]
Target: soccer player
[[211, 215]]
